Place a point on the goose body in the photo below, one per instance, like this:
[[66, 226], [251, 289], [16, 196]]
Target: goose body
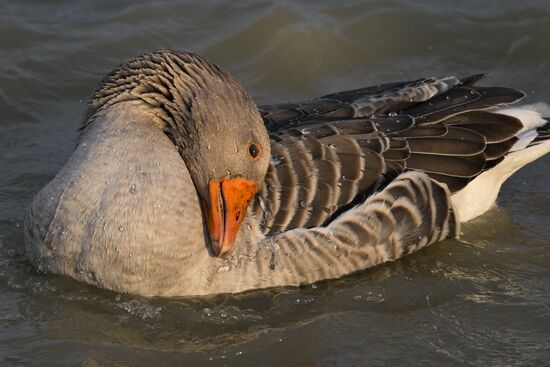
[[345, 182]]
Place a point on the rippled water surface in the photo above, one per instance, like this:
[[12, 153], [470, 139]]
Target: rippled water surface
[[484, 300]]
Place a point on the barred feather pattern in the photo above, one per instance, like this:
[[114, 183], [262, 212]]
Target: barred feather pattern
[[361, 102], [332, 152], [412, 212], [166, 83], [357, 178]]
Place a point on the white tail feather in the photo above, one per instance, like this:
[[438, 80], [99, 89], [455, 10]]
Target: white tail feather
[[531, 118], [480, 194]]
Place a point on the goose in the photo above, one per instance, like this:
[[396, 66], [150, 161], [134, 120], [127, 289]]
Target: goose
[[181, 186]]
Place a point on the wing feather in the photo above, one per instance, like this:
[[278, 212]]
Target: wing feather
[[332, 152]]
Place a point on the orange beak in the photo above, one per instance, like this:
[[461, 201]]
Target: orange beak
[[229, 199]]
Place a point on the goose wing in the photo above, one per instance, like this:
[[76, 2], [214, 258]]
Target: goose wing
[[412, 212], [333, 152]]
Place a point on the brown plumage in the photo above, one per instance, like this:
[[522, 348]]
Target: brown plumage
[[328, 153], [155, 193]]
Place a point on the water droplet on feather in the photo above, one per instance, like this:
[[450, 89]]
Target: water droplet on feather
[[276, 160]]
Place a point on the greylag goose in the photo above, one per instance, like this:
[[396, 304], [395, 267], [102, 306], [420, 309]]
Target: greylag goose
[[180, 185]]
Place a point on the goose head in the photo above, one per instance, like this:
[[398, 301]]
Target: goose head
[[213, 123]]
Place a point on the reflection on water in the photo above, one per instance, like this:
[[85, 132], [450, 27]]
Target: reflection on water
[[483, 300]]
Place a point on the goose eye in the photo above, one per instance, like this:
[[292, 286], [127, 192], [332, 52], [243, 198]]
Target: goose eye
[[254, 151]]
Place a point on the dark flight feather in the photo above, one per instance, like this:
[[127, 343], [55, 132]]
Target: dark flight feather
[[332, 152]]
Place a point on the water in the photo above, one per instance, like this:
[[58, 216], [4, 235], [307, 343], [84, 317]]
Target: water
[[483, 301]]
